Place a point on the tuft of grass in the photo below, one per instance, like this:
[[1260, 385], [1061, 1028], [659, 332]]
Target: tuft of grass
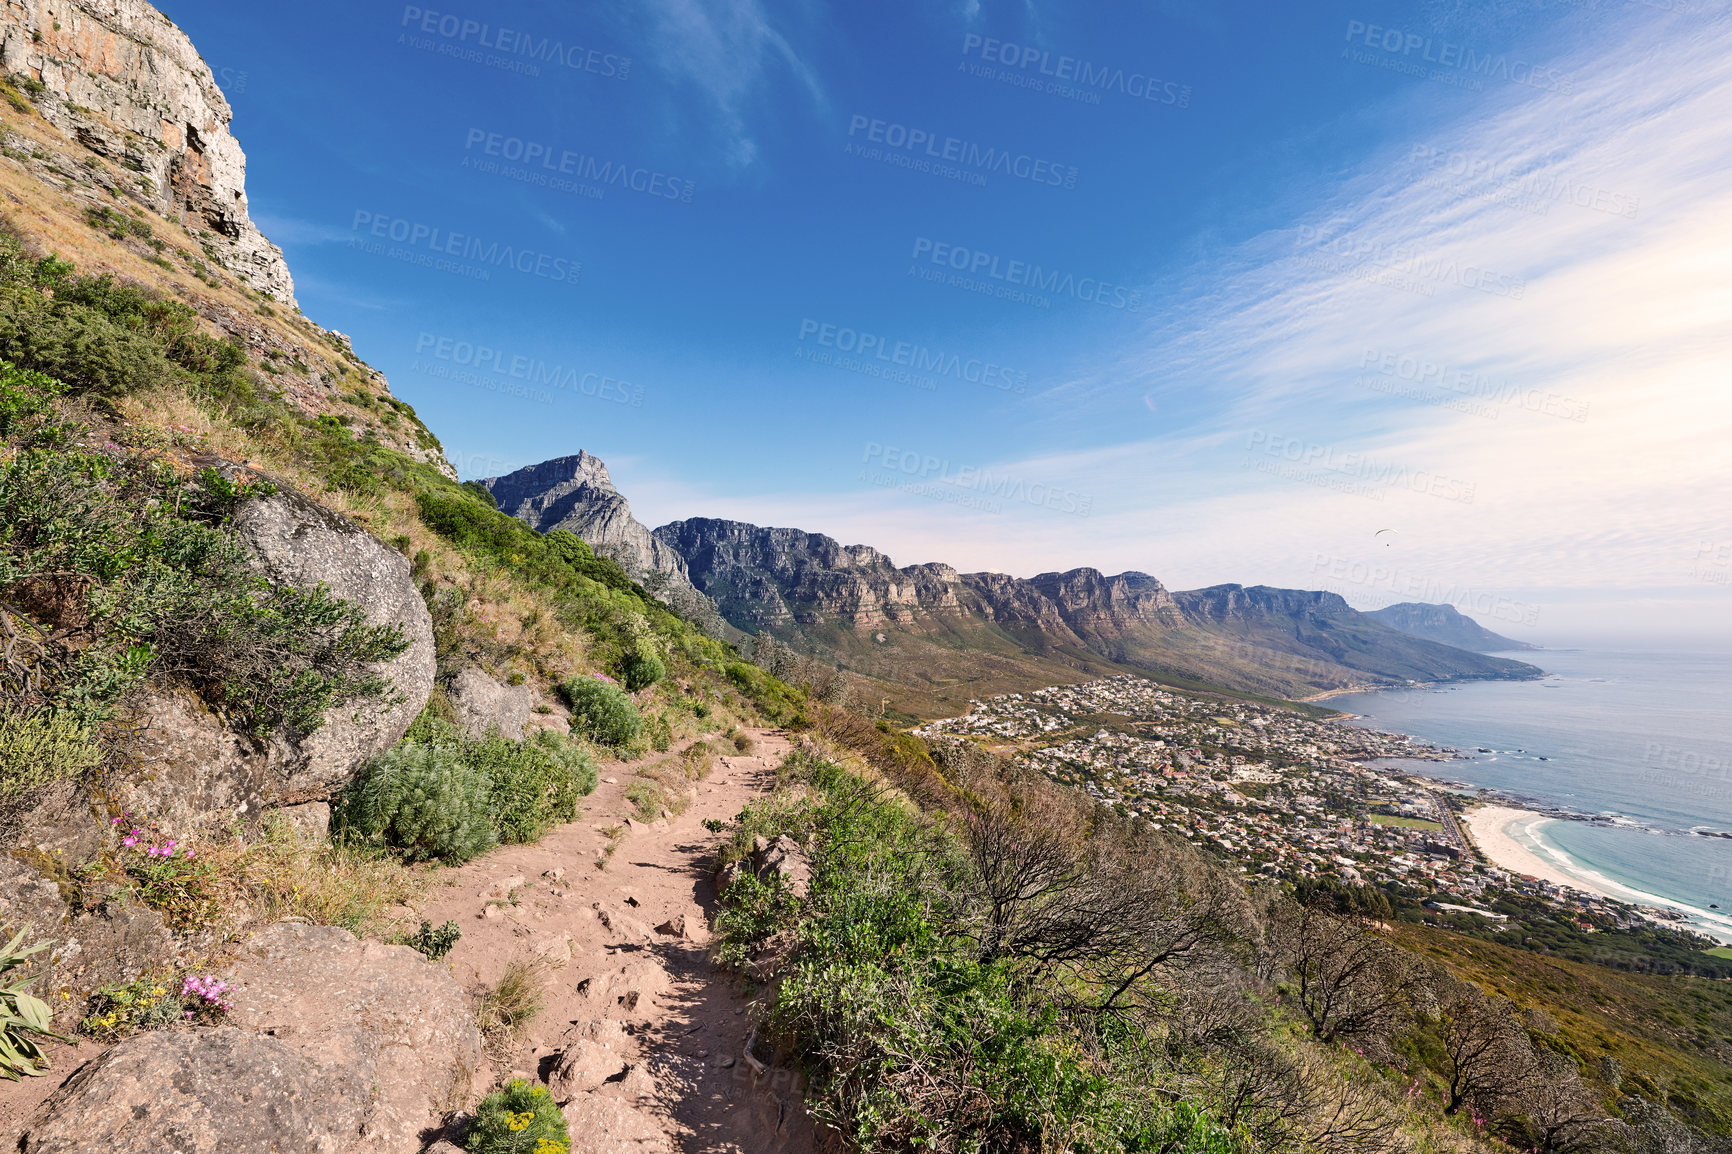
[[514, 1001]]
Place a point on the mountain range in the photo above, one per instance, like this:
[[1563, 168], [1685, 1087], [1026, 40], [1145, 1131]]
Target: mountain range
[[926, 638]]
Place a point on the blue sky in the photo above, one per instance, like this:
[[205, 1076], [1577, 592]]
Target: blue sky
[[1216, 292]]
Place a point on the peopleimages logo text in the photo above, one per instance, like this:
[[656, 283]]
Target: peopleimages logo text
[[1402, 258], [954, 150], [1414, 47], [974, 262], [431, 239], [481, 358], [566, 162], [1069, 69], [924, 467], [916, 358], [514, 42]]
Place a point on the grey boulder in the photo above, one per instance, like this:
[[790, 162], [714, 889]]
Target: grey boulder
[[382, 1014], [484, 704], [203, 1091], [301, 543]]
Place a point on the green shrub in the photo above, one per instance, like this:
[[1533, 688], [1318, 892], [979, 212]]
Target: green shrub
[[434, 943], [132, 563], [41, 748], [572, 758], [601, 711], [522, 1118], [641, 668], [531, 791], [424, 800]]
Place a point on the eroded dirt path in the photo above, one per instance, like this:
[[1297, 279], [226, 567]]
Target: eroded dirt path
[[640, 1035], [656, 1035]]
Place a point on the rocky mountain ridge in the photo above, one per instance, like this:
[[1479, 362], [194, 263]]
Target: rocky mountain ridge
[[850, 604]]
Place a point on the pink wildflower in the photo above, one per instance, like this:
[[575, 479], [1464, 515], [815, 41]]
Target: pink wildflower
[[129, 841]]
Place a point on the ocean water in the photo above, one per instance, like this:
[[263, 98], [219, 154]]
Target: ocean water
[[1644, 738]]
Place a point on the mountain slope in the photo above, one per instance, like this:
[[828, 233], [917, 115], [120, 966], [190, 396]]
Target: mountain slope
[[1443, 623], [934, 637]]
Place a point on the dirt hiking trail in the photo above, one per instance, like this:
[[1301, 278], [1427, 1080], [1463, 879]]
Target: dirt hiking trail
[[640, 1036]]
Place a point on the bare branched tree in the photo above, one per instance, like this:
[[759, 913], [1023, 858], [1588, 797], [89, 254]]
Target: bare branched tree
[[1486, 1052], [1346, 979]]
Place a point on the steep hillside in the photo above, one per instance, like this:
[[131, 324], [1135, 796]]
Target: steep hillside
[[1446, 625], [116, 157]]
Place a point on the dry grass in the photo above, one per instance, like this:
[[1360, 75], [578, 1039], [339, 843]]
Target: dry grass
[[510, 1005], [285, 875]]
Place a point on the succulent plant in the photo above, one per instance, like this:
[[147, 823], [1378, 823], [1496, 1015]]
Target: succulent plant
[[23, 1017]]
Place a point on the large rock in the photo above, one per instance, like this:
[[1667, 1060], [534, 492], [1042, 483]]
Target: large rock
[[115, 941], [382, 1014], [191, 766], [590, 1054], [204, 1091], [483, 704], [302, 543], [129, 86]]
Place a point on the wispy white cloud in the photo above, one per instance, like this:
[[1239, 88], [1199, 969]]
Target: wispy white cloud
[[729, 50], [1573, 246]]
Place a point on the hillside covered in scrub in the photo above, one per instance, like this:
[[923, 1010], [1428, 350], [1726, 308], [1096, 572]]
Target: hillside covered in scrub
[[345, 811]]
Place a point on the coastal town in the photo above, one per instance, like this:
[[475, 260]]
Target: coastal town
[[1281, 794]]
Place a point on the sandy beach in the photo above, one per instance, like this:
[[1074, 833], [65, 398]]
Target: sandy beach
[[1487, 826]]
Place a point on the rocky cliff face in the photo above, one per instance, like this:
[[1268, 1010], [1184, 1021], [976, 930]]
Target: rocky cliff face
[[774, 578], [576, 493], [129, 86], [851, 604]]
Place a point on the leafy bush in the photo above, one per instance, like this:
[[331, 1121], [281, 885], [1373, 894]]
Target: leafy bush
[[435, 943], [125, 572], [531, 790], [424, 800], [520, 1119], [24, 1018], [641, 669], [914, 1037], [41, 748], [601, 711], [571, 757]]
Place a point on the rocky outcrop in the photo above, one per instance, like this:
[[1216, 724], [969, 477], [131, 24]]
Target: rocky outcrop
[[770, 578], [114, 941], [576, 493], [484, 704], [299, 542], [204, 1091], [362, 1013], [842, 602], [191, 767], [128, 85]]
